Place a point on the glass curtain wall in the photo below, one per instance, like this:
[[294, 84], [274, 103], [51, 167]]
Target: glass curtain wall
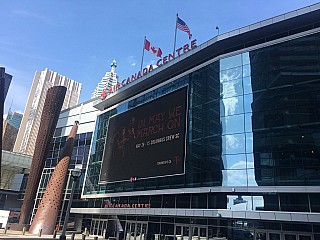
[[253, 120]]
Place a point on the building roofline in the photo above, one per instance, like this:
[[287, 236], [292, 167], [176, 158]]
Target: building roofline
[[79, 104], [261, 32], [268, 21]]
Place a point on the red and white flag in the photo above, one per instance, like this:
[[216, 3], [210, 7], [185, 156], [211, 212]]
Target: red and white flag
[[156, 51]]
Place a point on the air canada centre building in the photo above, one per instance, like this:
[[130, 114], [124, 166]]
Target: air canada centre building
[[221, 142]]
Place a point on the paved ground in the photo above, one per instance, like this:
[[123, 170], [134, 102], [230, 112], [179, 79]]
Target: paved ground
[[10, 234]]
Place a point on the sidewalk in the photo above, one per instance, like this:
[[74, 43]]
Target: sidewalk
[[18, 235]]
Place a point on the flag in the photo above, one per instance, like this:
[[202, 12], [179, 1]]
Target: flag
[[183, 27], [156, 51]]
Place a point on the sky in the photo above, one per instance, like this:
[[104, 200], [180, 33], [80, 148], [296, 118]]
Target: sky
[[80, 38]]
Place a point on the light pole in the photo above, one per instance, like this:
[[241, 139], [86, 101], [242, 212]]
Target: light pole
[[217, 28], [75, 173]]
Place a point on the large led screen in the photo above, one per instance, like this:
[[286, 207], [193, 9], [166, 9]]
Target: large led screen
[[147, 141]]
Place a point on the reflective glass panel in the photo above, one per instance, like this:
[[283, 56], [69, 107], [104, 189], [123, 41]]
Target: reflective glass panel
[[231, 62], [232, 106], [231, 74], [247, 103], [245, 58], [247, 88], [232, 88], [249, 142], [235, 161], [232, 124], [248, 122], [233, 144], [251, 175], [246, 71], [234, 177], [239, 203]]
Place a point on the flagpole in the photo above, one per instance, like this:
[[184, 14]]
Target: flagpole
[[144, 42], [175, 36]]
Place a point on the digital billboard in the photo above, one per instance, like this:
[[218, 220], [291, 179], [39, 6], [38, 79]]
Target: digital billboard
[[147, 141]]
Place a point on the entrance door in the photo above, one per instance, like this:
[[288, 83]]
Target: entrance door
[[260, 235], [274, 235], [136, 230], [199, 233], [190, 232], [94, 226], [304, 236], [297, 236]]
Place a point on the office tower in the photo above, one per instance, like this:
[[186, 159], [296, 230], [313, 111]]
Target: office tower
[[42, 81], [10, 130], [5, 80], [14, 118], [48, 121], [110, 79], [9, 135]]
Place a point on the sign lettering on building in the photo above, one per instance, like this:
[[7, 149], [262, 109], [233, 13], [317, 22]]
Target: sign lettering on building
[[126, 205], [162, 61]]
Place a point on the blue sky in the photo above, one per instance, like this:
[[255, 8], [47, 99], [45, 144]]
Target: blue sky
[[79, 39]]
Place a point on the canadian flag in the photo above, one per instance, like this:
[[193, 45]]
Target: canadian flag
[[156, 51]]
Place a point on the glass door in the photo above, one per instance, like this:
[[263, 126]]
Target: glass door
[[127, 231], [136, 230], [274, 236], [178, 232], [144, 228], [190, 232], [304, 237], [93, 228], [277, 235], [260, 235], [186, 233], [203, 233], [289, 236]]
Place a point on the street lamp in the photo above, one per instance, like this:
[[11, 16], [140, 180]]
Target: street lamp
[[75, 173]]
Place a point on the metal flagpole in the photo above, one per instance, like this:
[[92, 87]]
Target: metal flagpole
[[144, 42], [175, 36]]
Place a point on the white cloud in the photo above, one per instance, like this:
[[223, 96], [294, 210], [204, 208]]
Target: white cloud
[[241, 173], [36, 16], [131, 61], [232, 142]]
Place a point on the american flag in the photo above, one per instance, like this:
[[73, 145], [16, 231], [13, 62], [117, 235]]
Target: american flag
[[183, 27]]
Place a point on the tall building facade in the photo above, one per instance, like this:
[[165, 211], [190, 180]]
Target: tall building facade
[[11, 127], [9, 135], [222, 142], [109, 80], [5, 80], [42, 81], [14, 118]]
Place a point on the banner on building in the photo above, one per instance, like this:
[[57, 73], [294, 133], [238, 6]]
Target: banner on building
[[147, 141]]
